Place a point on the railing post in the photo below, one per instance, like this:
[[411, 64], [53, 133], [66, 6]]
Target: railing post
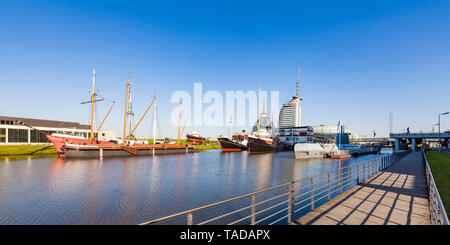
[[366, 170], [253, 215], [350, 177], [357, 173], [329, 187], [190, 219], [312, 193], [340, 179], [289, 203], [373, 168]]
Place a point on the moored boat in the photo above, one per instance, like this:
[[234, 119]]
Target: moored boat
[[341, 154], [114, 150], [58, 140], [195, 137], [238, 142], [260, 144]]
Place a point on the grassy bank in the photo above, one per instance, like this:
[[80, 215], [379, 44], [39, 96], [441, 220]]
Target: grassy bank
[[26, 149], [207, 147], [207, 144], [440, 167]]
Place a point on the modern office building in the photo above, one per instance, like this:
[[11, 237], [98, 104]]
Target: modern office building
[[13, 132]]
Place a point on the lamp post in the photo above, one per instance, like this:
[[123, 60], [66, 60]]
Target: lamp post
[[433, 128], [439, 123]]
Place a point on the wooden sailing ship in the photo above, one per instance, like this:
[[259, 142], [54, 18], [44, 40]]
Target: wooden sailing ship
[[126, 148]]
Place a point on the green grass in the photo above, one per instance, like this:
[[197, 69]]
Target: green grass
[[207, 147], [440, 167], [27, 149], [207, 144]]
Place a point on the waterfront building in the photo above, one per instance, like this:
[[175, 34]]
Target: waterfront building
[[290, 129], [324, 131], [12, 132], [291, 114], [294, 135]]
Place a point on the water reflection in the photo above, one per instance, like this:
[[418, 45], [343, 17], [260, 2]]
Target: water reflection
[[36, 190]]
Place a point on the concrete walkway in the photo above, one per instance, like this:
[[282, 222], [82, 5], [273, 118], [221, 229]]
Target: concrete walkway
[[395, 196]]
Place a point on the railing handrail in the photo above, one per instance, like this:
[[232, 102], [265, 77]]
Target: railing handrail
[[432, 185], [373, 167]]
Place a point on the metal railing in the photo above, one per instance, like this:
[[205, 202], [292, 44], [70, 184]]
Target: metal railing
[[285, 202], [437, 211]]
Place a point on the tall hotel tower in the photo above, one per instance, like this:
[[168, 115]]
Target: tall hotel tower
[[291, 112], [290, 129]]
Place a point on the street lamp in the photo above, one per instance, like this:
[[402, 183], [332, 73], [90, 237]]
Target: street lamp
[[439, 123], [433, 130], [434, 125]]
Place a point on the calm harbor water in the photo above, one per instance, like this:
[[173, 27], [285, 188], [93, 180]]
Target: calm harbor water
[[45, 190]]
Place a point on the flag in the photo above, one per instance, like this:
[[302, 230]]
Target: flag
[[374, 134]]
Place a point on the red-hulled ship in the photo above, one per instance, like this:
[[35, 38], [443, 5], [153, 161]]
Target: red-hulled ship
[[58, 140], [195, 137]]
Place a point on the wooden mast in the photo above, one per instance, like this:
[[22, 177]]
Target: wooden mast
[[91, 137], [125, 114], [184, 126]]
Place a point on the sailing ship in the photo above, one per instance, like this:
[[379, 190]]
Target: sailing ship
[[127, 148], [59, 139]]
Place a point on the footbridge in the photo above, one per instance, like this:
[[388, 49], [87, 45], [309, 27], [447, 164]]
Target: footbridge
[[418, 138]]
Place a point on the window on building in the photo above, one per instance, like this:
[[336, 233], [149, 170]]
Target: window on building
[[37, 137], [6, 122], [2, 135], [17, 135]]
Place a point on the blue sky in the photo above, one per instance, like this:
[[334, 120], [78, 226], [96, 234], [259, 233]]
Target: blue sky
[[360, 60]]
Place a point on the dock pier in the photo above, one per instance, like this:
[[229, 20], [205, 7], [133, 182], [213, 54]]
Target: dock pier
[[397, 195]]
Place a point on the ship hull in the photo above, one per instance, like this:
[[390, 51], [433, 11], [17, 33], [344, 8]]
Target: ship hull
[[120, 151], [229, 145], [59, 141], [258, 145], [195, 139], [340, 156]]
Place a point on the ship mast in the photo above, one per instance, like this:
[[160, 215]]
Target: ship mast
[[154, 124], [127, 87], [92, 106], [179, 120], [130, 108], [259, 113]]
